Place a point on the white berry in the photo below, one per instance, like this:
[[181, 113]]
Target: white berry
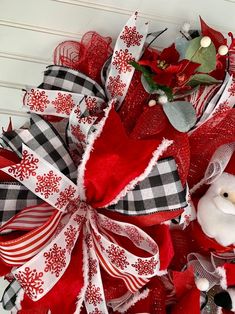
[[162, 99], [186, 27], [223, 50], [202, 284], [205, 42], [152, 103]]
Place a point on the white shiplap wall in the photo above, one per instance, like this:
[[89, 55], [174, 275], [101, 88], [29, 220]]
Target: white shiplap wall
[[30, 29]]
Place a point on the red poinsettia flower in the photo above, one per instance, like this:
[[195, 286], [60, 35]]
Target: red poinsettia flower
[[167, 69]]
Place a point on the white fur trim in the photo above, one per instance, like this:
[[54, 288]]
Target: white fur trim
[[91, 140], [223, 281], [80, 297], [156, 155], [231, 292], [219, 310], [133, 300], [19, 299], [162, 272]]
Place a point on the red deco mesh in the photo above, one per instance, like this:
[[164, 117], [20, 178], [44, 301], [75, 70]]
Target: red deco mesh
[[134, 102], [218, 130], [87, 56]]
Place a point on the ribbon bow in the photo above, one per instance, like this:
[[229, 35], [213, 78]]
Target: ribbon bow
[[44, 254]]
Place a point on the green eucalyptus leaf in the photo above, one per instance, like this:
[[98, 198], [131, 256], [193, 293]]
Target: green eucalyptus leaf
[[181, 45], [181, 115], [146, 85], [140, 68], [205, 56], [199, 79]]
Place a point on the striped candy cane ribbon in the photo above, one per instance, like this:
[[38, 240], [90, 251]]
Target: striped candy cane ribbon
[[43, 254]]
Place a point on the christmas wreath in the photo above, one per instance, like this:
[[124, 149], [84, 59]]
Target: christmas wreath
[[118, 196]]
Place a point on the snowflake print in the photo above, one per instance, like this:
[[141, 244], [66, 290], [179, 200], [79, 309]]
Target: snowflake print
[[70, 239], [145, 267], [89, 241], [37, 100], [79, 219], [73, 206], [94, 218], [116, 86], [55, 260], [96, 311], [111, 225], [122, 61], [223, 107], [63, 103], [77, 133], [77, 111], [231, 89], [65, 196], [224, 103], [153, 247], [99, 240], [134, 234], [131, 36], [26, 167], [91, 104], [48, 184], [31, 282], [92, 267], [93, 295], [58, 230], [87, 119], [117, 256]]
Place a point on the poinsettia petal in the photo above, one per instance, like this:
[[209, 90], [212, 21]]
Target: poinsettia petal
[[163, 78], [173, 68], [148, 63], [170, 55], [217, 38]]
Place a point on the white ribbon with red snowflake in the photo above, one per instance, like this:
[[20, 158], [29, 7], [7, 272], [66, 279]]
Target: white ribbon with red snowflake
[[81, 109], [44, 260], [59, 103], [128, 47]]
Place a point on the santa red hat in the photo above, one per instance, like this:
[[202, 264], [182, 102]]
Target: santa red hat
[[227, 273]]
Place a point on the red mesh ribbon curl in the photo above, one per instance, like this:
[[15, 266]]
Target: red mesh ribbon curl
[[206, 139], [87, 56]]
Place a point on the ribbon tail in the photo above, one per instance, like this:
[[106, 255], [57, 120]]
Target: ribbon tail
[[125, 51], [39, 275], [94, 296]]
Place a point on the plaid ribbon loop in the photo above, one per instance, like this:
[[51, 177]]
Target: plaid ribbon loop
[[161, 190], [66, 79]]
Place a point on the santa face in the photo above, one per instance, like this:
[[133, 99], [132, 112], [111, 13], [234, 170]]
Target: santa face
[[216, 210]]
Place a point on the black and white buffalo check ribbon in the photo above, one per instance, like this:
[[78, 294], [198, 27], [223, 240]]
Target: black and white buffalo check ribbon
[[9, 296], [45, 141], [13, 198], [66, 79], [160, 191]]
